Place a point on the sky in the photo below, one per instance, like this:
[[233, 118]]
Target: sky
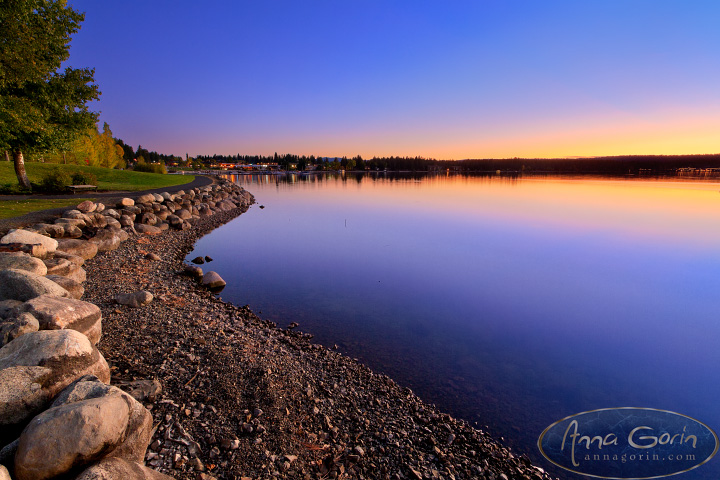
[[440, 79]]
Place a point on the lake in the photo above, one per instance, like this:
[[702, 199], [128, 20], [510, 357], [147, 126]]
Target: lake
[[508, 302]]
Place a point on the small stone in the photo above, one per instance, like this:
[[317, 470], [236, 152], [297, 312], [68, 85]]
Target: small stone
[[153, 256], [198, 260], [135, 299]]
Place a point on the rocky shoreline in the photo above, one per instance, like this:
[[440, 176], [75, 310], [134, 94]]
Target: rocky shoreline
[[235, 397]]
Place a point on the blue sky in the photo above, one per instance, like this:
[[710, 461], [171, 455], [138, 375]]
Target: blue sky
[[443, 79]]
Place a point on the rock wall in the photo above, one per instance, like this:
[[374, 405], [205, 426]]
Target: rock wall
[[58, 414]]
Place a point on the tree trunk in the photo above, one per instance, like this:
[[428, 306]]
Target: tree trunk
[[7, 156], [20, 169]]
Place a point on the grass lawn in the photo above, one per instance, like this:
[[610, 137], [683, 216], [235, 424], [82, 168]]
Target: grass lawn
[[107, 178], [13, 208]]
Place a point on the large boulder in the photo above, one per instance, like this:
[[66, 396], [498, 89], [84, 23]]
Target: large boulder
[[87, 206], [147, 229], [138, 429], [147, 198], [10, 308], [22, 261], [30, 238], [57, 266], [35, 367], [68, 436], [106, 240], [82, 248], [74, 288], [56, 313], [76, 259], [23, 285], [13, 327], [118, 468]]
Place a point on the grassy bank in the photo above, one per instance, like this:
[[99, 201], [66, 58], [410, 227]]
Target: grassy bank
[[15, 208], [107, 179]]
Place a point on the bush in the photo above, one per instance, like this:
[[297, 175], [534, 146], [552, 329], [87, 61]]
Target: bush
[[55, 181], [150, 167], [83, 178]]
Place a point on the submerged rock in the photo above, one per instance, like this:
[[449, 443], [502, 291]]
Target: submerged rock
[[213, 281]]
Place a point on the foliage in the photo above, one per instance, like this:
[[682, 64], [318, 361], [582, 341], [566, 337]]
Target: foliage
[[92, 148], [41, 108], [83, 178], [55, 181], [142, 166]]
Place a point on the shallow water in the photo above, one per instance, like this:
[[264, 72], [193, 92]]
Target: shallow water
[[510, 302]]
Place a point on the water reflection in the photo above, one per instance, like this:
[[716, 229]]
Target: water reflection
[[509, 301]]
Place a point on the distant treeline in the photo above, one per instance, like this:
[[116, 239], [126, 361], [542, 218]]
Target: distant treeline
[[615, 165]]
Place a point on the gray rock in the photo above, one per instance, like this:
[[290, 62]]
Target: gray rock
[[194, 271], [57, 266], [127, 220], [30, 238], [70, 435], [99, 207], [76, 259], [113, 223], [87, 206], [118, 468], [144, 390], [147, 198], [52, 230], [72, 231], [213, 281], [10, 308], [22, 261], [12, 328], [106, 240], [82, 248], [147, 229], [56, 313], [36, 250], [183, 213], [111, 212], [135, 299], [74, 288], [97, 220], [35, 367], [23, 285], [139, 426], [78, 222]]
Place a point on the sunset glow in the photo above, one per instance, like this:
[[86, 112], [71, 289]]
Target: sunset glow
[[471, 79]]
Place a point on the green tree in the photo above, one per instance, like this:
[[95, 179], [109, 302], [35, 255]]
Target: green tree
[[41, 108]]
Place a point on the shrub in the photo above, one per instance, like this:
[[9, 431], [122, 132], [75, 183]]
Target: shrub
[[150, 167], [83, 178], [55, 181]]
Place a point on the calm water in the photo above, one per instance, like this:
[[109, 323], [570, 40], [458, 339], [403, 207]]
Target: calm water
[[509, 302]]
